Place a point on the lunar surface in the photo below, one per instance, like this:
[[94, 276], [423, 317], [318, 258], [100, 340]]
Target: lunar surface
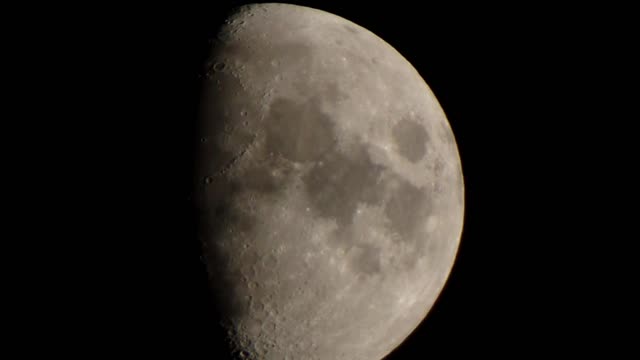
[[330, 189]]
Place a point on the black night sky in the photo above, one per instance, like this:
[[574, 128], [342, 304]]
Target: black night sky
[[505, 76]]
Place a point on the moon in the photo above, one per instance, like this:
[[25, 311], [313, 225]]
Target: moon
[[330, 192]]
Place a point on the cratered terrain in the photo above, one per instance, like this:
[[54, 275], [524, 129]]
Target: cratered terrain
[[329, 187]]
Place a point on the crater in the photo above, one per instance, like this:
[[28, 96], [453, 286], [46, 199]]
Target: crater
[[411, 139], [219, 123]]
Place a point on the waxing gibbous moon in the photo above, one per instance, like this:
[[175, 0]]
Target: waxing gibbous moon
[[329, 187]]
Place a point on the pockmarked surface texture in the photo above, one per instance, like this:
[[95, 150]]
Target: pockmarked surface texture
[[330, 190]]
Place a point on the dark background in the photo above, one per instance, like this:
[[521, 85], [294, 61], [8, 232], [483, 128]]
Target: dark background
[[520, 87]]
